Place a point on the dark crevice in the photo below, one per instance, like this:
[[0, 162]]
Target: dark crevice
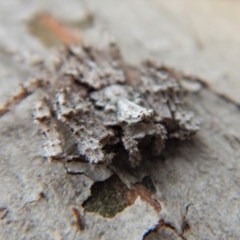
[[161, 224], [74, 173], [148, 184]]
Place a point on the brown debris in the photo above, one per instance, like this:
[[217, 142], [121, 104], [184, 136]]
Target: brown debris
[[163, 231], [4, 108], [78, 218], [3, 212], [23, 91], [145, 195], [66, 35]]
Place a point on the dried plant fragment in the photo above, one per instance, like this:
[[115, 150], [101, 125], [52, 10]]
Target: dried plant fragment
[[23, 91], [92, 106], [78, 218]]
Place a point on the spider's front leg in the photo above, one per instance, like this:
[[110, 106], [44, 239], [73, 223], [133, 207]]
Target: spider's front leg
[[131, 145], [88, 145], [159, 141], [52, 139]]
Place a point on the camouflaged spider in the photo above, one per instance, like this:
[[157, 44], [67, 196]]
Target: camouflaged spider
[[95, 106]]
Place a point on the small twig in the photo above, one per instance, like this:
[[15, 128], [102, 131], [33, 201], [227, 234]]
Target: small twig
[[64, 33]]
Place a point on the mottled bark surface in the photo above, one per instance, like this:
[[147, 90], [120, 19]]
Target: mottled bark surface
[[190, 192]]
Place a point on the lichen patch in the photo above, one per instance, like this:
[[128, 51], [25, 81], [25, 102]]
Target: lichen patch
[[111, 197]]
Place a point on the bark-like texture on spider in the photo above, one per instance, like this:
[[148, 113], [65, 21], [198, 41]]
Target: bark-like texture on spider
[[92, 106]]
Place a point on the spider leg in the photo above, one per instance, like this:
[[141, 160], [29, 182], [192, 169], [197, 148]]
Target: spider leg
[[159, 141], [131, 145]]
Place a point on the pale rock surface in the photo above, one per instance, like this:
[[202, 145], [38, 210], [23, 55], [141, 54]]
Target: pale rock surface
[[197, 183]]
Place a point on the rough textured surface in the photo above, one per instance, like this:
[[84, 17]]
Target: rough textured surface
[[93, 107], [196, 183]]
